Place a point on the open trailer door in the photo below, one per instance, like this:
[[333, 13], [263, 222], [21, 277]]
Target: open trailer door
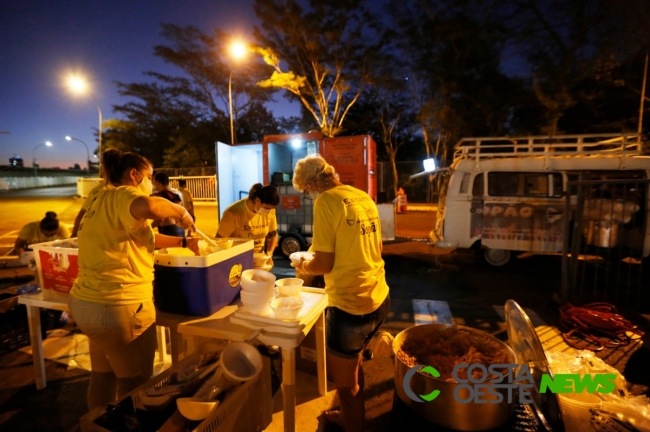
[[238, 168]]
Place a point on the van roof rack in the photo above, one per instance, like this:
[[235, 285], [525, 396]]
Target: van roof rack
[[593, 145]]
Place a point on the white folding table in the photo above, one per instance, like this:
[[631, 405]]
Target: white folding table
[[50, 299], [234, 323]]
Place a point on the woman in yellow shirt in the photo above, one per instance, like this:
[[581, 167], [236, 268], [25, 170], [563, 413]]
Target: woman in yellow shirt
[[45, 230], [112, 298], [347, 251], [253, 218]]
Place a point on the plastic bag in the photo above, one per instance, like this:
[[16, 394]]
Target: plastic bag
[[634, 410]]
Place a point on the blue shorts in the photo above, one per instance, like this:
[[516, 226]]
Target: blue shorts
[[347, 334]]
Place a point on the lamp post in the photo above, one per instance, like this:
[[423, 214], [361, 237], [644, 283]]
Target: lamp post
[[237, 51], [46, 143], [79, 85], [69, 138]]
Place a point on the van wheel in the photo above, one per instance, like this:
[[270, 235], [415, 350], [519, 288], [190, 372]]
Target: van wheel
[[497, 257], [292, 242]]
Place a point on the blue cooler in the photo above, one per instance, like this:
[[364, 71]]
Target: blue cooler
[[200, 285]]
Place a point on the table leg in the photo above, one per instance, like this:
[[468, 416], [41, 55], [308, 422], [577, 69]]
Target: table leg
[[34, 321], [176, 342], [321, 364], [162, 343], [289, 389]]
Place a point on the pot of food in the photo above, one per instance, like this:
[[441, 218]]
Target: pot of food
[[465, 405]]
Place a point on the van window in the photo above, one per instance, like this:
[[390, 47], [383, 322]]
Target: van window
[[477, 188], [524, 184]]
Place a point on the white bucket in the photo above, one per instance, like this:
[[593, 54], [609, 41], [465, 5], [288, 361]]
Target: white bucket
[[575, 411]]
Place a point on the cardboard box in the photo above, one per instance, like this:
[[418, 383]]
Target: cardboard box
[[306, 355], [56, 262], [200, 285]]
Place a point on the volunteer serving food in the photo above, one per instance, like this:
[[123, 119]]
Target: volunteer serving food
[[45, 230], [347, 251], [112, 297], [253, 218]]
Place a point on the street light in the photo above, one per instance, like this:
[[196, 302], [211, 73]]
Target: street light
[[69, 138], [46, 143], [79, 85], [237, 51]]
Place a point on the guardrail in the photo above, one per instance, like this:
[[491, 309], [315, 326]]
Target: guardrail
[[11, 183], [202, 188]]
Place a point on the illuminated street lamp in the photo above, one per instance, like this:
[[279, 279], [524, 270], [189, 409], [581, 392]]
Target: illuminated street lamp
[[46, 143], [237, 51], [69, 138], [79, 85]]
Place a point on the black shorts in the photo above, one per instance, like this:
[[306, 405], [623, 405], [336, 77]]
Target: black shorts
[[347, 334]]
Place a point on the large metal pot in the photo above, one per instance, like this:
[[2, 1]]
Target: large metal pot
[[445, 410]]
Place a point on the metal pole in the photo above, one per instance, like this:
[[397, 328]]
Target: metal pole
[[232, 128], [34, 158], [645, 75], [99, 110], [87, 153]]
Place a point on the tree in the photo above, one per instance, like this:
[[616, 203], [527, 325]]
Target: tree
[[328, 49], [573, 48], [451, 53], [175, 121]]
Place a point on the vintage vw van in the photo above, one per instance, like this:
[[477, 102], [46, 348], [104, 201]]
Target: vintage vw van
[[506, 195]]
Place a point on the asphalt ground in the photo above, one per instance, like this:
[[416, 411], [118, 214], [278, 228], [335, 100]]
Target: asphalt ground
[[453, 287]]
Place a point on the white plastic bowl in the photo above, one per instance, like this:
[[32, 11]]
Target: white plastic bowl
[[257, 286], [196, 408], [257, 276], [289, 286], [287, 308], [295, 257], [240, 361], [255, 298], [260, 259]]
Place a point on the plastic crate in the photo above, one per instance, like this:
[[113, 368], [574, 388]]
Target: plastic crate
[[200, 285], [246, 408], [56, 262]]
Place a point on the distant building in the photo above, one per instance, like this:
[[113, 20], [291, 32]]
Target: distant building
[[16, 161]]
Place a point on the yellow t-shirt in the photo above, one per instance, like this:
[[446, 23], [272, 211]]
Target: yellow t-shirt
[[93, 194], [31, 233], [115, 251], [346, 222], [239, 222]]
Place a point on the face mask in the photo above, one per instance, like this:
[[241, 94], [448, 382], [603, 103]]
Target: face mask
[[145, 186], [263, 211]]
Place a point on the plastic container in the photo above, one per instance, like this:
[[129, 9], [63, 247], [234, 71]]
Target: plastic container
[[256, 280], [289, 287], [575, 411], [196, 408], [287, 308], [296, 256], [56, 262], [240, 362], [200, 285]]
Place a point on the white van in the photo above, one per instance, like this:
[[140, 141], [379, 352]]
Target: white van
[[505, 195]]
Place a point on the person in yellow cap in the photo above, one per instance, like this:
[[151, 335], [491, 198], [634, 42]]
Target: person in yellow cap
[[347, 251], [112, 298]]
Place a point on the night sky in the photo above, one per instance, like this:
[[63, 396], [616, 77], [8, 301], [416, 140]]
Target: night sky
[[42, 41]]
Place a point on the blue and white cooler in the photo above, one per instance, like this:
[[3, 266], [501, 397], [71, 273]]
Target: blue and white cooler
[[200, 285]]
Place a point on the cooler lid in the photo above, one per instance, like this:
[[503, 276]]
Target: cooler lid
[[526, 345]]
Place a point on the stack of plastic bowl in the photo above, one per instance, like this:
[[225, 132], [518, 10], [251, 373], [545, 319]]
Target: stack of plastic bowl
[[258, 289], [289, 287]]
